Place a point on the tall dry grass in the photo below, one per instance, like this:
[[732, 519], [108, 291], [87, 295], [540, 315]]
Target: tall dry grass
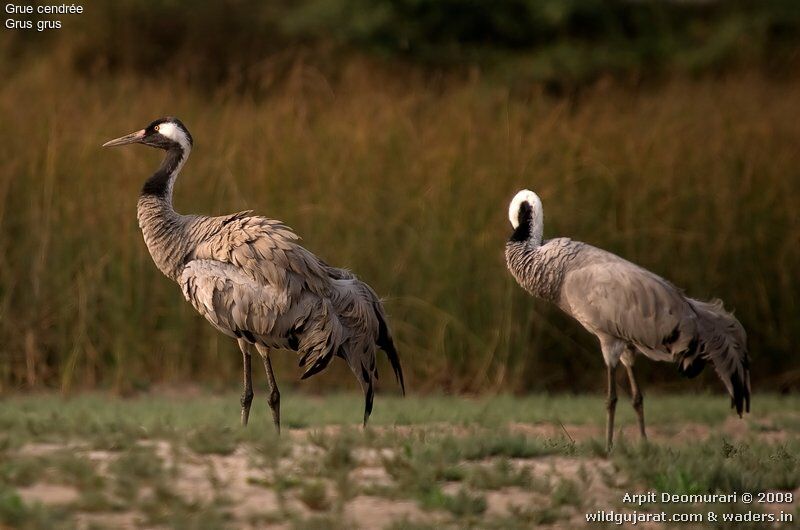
[[406, 181]]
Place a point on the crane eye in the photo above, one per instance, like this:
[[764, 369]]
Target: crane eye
[[156, 128]]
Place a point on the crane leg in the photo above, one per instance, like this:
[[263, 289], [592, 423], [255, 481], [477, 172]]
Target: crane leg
[[638, 400], [611, 406], [247, 393], [274, 398]]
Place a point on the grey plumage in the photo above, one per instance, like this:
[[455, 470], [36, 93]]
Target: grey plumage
[[628, 308], [249, 277]]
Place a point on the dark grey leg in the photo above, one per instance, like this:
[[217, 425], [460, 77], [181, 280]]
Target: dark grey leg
[[247, 393], [638, 400], [611, 406], [274, 398]]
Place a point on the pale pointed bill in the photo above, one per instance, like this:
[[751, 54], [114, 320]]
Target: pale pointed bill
[[127, 139]]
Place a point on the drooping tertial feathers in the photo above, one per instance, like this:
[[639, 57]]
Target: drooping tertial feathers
[[630, 309], [249, 277]]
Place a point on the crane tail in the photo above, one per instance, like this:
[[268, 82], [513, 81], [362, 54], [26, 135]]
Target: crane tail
[[320, 339], [320, 364], [369, 396], [386, 343], [690, 361], [723, 341]]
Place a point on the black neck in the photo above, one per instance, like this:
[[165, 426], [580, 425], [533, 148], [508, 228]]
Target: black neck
[[523, 230], [159, 184]]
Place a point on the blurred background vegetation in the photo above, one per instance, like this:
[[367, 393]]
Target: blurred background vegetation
[[391, 135]]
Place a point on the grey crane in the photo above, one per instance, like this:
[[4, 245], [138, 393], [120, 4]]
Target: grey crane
[[629, 309], [248, 277]]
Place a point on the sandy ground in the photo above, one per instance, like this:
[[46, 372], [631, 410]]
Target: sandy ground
[[254, 503]]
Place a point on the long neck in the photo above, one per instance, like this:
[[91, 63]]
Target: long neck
[[530, 227], [163, 180], [163, 229], [540, 269]]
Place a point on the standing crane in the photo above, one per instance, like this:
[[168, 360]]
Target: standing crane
[[629, 309], [248, 277]]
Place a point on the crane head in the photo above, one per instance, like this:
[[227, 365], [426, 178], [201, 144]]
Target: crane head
[[526, 216], [164, 133], [525, 206]]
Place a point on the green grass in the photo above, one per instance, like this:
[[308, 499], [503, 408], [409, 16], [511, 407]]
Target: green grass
[[314, 494], [22, 471], [167, 508], [214, 418], [213, 439], [500, 474], [716, 465], [135, 469], [462, 504]]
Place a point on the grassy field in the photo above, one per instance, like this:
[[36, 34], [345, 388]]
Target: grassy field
[[391, 135], [405, 180], [180, 460]]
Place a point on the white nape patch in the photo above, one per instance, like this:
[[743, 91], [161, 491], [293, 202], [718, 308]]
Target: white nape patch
[[524, 196], [174, 133]]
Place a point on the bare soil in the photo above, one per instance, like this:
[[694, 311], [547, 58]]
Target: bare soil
[[254, 501]]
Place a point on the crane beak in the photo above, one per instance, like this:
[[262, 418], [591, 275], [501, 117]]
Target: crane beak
[[132, 138]]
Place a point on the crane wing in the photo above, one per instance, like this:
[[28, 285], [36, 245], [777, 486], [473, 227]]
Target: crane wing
[[231, 301], [610, 295], [239, 306], [266, 251]]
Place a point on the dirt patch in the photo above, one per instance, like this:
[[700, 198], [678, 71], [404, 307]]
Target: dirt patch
[[202, 478], [42, 449], [371, 477], [254, 501], [368, 456], [49, 494], [503, 501], [118, 521], [376, 512], [592, 474]]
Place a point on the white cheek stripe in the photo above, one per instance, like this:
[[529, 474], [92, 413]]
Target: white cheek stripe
[[174, 133]]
